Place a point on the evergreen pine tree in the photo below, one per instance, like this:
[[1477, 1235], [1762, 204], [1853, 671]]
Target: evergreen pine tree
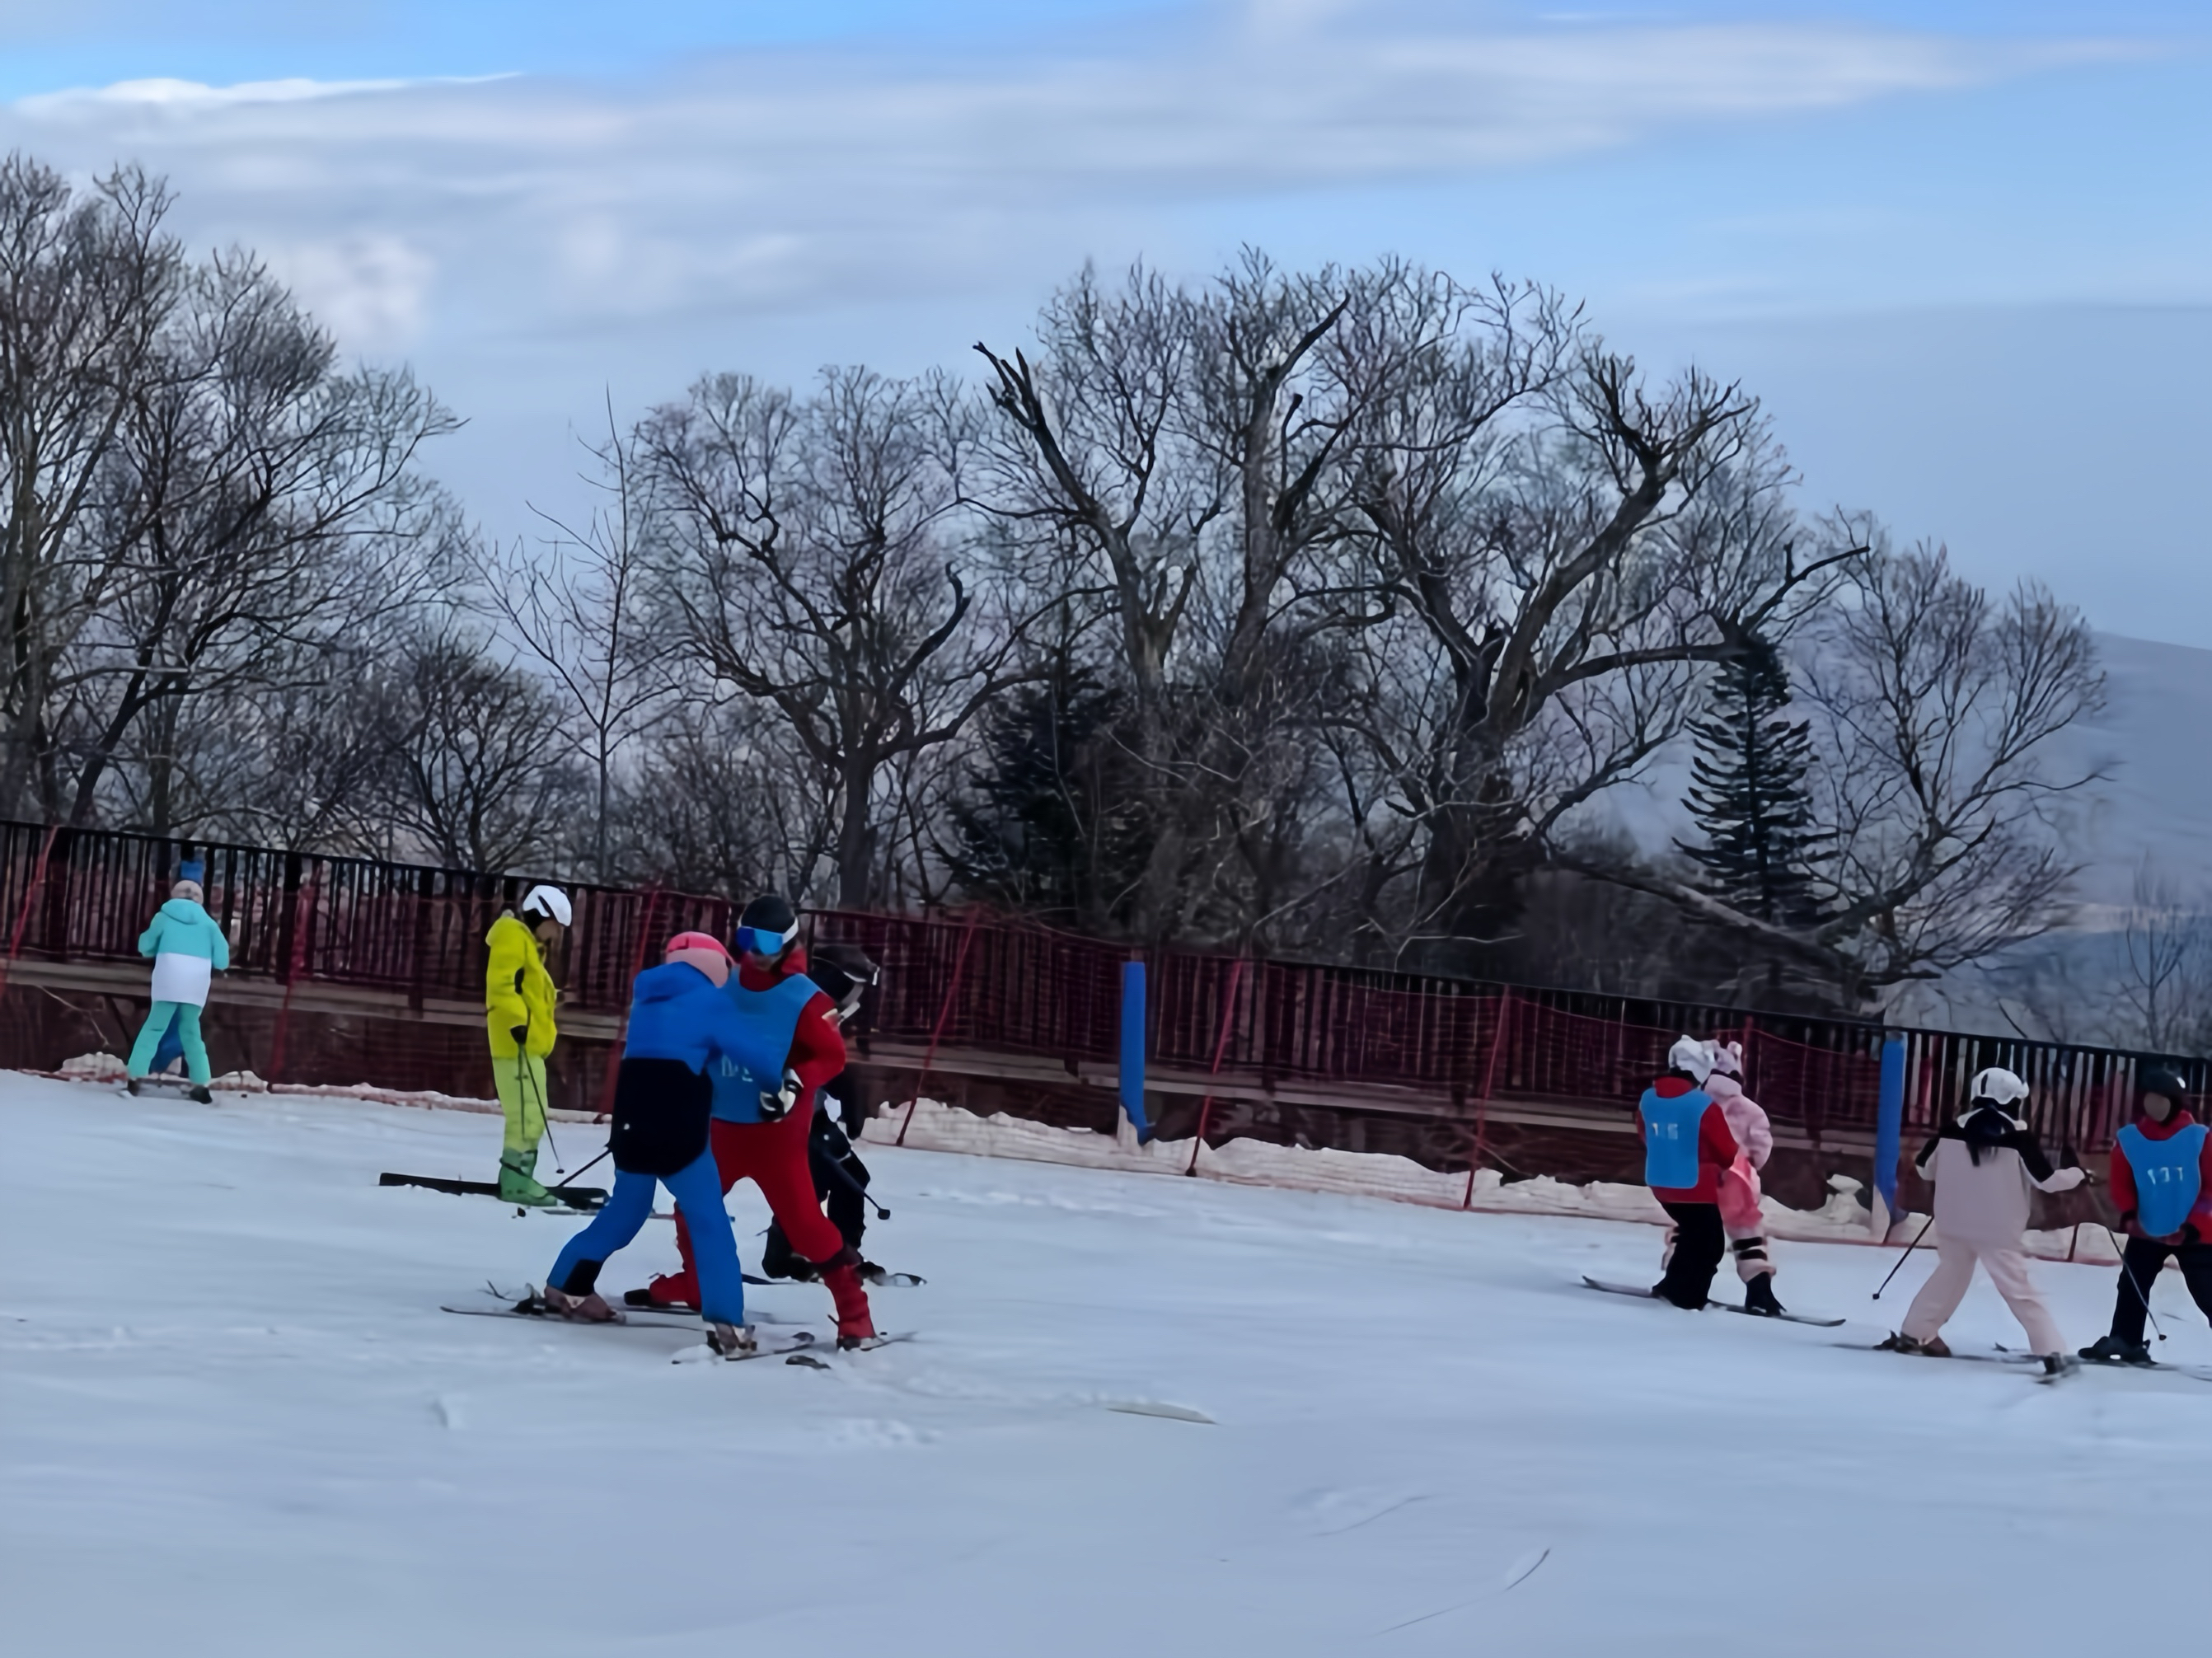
[[1051, 821], [1761, 849]]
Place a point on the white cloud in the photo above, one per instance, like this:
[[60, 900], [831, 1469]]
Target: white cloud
[[198, 95], [369, 289], [764, 180]]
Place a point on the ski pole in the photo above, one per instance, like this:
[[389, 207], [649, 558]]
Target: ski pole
[[544, 1117], [2129, 1273], [1909, 1249], [585, 1169], [853, 1184]]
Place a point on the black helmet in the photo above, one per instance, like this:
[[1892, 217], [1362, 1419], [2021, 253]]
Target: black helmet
[[841, 972], [2158, 1079], [768, 927]]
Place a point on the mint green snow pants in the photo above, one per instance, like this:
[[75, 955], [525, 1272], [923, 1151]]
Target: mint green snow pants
[[188, 1032]]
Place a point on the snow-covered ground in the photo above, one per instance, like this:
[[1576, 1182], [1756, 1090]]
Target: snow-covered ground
[[233, 1421]]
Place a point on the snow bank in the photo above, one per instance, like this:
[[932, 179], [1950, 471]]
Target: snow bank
[[106, 1068], [935, 1127]]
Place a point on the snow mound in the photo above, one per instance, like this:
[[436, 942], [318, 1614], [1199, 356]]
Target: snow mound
[[934, 1126], [106, 1068]]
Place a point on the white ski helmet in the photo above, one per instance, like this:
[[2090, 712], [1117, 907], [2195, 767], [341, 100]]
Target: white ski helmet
[[549, 902], [1997, 1085], [1690, 1054]]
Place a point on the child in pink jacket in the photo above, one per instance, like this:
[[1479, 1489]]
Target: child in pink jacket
[[1740, 1189]]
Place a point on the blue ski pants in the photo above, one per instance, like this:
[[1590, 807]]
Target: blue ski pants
[[187, 1017], [697, 1190]]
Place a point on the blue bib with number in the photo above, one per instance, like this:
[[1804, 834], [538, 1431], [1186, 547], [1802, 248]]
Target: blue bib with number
[[1670, 1136], [773, 1015], [2166, 1178]]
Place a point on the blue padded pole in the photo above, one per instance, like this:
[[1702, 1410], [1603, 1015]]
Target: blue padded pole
[[1889, 1123], [1133, 1048]]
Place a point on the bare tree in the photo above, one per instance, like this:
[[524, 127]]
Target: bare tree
[[1934, 711], [471, 777], [717, 799], [1574, 547], [87, 283], [576, 607], [1171, 453], [2165, 958], [816, 561], [258, 504]]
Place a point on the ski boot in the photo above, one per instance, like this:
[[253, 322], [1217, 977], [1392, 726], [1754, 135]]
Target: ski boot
[[2111, 1349], [732, 1341], [675, 1292], [2058, 1365], [1933, 1347], [1758, 1296], [199, 1091], [779, 1260], [588, 1308], [842, 1273], [131, 1084], [517, 1181]]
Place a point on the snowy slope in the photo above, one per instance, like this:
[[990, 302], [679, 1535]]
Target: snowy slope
[[232, 1421]]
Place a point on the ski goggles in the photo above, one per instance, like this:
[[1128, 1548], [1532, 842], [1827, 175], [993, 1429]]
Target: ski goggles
[[759, 941]]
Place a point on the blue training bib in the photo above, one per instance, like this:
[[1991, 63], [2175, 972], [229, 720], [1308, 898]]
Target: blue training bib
[[1670, 1136], [772, 1015], [2166, 1178]]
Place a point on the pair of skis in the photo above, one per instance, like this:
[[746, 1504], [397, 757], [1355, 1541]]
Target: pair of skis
[[1727, 1307], [573, 1197], [792, 1350]]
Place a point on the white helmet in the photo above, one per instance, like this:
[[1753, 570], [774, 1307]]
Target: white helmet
[[548, 900], [1690, 1054], [1998, 1085]]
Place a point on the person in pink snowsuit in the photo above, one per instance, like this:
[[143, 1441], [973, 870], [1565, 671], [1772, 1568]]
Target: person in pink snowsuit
[[1739, 1192]]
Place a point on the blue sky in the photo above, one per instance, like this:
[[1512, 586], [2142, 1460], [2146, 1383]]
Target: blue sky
[[1963, 250]]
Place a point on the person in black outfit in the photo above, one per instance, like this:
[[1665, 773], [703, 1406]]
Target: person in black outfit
[[2162, 1183], [840, 1179]]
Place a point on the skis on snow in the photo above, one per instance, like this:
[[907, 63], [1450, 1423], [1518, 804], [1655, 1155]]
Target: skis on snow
[[1645, 1294], [875, 1277], [671, 1318], [573, 1197], [799, 1342]]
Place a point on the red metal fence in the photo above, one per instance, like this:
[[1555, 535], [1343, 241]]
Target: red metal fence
[[976, 981]]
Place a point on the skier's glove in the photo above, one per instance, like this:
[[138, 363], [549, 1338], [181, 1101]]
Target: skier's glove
[[775, 1107], [519, 1032]]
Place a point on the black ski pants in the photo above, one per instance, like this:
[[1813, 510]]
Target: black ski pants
[[841, 1180], [1700, 1246], [2141, 1263]]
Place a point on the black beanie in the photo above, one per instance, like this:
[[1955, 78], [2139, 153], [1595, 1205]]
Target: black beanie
[[2157, 1079], [771, 913]]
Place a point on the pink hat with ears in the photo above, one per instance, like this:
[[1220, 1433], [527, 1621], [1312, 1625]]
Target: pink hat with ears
[[1728, 1057], [702, 951]]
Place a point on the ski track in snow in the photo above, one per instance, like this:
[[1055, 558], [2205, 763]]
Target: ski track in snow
[[1142, 1414]]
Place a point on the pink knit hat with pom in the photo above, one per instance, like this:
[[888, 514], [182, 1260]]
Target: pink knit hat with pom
[[702, 951]]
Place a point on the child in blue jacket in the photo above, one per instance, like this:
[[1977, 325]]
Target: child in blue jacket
[[679, 1020]]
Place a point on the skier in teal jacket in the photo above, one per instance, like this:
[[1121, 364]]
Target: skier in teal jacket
[[188, 949]]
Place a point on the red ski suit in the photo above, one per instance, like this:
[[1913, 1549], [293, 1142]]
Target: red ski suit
[[773, 1156]]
